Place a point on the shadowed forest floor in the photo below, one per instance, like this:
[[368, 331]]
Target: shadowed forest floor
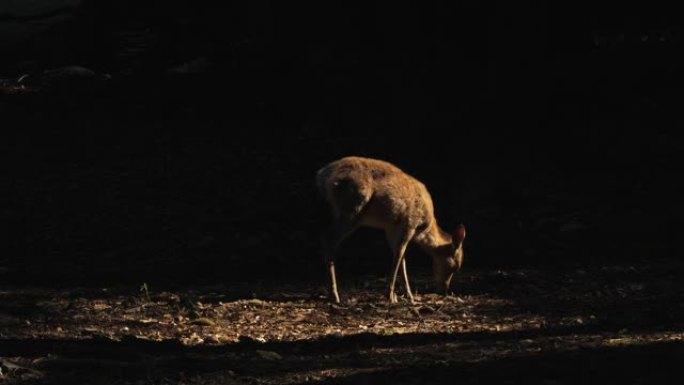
[[161, 223], [93, 215], [611, 324]]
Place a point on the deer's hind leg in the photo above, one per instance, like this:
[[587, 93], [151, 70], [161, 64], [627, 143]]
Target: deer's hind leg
[[348, 199], [337, 233]]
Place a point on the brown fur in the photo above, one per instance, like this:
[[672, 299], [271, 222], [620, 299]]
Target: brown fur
[[374, 193]]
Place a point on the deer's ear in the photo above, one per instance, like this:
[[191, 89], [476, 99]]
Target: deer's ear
[[459, 234]]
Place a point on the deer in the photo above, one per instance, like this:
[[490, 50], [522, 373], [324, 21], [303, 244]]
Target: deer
[[377, 194]]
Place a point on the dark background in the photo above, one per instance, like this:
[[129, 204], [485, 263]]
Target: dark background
[[551, 132]]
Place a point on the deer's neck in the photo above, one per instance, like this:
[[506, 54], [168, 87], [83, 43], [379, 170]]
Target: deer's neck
[[434, 240]]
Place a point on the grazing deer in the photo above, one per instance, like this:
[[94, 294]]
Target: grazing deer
[[375, 193]]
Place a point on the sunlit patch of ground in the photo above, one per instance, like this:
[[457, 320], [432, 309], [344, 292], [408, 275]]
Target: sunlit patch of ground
[[290, 334]]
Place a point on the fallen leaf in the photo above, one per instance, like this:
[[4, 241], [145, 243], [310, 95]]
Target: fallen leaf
[[203, 321]]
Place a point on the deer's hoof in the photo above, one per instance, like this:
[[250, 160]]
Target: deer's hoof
[[334, 297]]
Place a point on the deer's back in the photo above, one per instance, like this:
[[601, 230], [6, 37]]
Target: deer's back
[[377, 191]]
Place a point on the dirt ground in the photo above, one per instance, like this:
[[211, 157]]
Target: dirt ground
[[611, 324]]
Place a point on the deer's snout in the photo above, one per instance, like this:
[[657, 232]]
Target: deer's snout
[[459, 261], [444, 283]]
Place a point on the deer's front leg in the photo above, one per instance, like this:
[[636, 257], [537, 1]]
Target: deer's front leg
[[406, 281], [399, 240]]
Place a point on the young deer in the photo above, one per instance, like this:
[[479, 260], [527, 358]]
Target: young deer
[[375, 193]]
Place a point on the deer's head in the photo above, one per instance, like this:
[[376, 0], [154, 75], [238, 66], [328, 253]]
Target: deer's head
[[448, 261]]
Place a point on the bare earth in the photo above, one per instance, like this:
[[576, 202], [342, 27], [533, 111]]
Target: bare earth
[[613, 324]]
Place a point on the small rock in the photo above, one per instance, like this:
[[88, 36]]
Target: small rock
[[425, 310], [250, 340], [268, 355], [211, 339]]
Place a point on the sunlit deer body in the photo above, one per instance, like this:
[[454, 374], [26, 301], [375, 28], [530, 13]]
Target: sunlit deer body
[[375, 193]]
